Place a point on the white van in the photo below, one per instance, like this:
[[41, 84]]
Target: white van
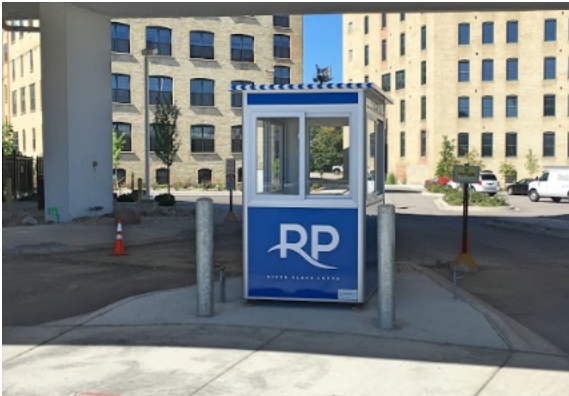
[[554, 184]]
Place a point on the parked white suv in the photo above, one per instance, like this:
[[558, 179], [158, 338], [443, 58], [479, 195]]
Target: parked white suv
[[488, 183], [553, 183]]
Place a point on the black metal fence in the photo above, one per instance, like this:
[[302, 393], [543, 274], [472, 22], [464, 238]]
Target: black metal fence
[[20, 170]]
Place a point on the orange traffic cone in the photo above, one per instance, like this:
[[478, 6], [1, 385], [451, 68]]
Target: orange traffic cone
[[119, 243]]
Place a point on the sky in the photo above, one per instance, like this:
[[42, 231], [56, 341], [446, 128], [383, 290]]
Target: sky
[[322, 45]]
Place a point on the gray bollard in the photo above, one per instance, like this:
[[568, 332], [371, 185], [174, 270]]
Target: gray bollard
[[204, 255], [386, 284]]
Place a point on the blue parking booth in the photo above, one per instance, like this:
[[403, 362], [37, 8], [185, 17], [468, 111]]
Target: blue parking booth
[[314, 164]]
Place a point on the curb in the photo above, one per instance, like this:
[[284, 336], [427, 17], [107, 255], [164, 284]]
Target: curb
[[518, 337], [442, 205]]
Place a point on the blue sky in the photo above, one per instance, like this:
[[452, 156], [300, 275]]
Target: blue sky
[[323, 45]]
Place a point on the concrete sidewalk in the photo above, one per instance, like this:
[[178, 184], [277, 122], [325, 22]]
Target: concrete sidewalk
[[155, 344]]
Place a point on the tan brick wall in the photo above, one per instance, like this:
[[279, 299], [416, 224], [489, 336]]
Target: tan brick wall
[[182, 69], [443, 89]]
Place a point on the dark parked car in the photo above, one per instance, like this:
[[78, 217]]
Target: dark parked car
[[520, 187]]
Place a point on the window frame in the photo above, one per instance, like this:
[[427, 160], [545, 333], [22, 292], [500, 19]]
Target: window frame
[[510, 39], [487, 145], [237, 96], [487, 70], [513, 153], [461, 73], [281, 18], [464, 37], [282, 80], [461, 106], [202, 146], [32, 97], [402, 44], [156, 96], [383, 50], [552, 75], [509, 62], [402, 144], [553, 32], [399, 80], [423, 107], [127, 145], [164, 48], [386, 82], [366, 24], [281, 51], [508, 108], [423, 144], [549, 106], [366, 55], [424, 72], [117, 41], [117, 91], [402, 110], [201, 98], [464, 147], [199, 45], [548, 145], [487, 37], [487, 111], [236, 143], [423, 38], [242, 51]]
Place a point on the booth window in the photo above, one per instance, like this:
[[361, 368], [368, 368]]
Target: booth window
[[278, 155], [328, 147], [159, 38], [203, 138], [236, 139], [201, 45]]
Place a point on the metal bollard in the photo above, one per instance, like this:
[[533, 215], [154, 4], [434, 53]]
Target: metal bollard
[[139, 197], [204, 255], [386, 281], [222, 278]]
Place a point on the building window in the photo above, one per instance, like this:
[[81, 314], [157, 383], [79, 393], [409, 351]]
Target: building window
[[383, 50], [512, 32], [511, 69], [423, 72], [34, 139], [400, 79], [236, 139], [511, 106], [159, 38], [13, 70], [464, 34], [242, 48], [366, 24], [121, 88], [463, 71], [281, 75], [423, 37], [22, 66], [239, 175], [402, 16], [386, 82], [121, 177], [550, 29], [160, 90], [162, 176], [402, 144], [23, 100], [402, 111], [152, 137], [423, 144], [24, 139], [281, 46], [549, 68], [366, 78], [202, 92], [549, 144], [16, 141], [350, 55], [462, 144], [366, 55], [31, 61], [402, 44], [123, 129], [5, 52], [350, 27], [14, 103], [32, 97], [487, 70], [21, 23], [511, 144], [549, 105], [423, 107], [237, 96], [120, 38], [281, 21], [463, 107], [488, 33], [487, 144], [487, 107], [204, 176], [201, 45], [383, 20], [203, 138]]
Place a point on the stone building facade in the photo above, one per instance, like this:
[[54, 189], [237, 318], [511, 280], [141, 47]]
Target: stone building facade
[[496, 83]]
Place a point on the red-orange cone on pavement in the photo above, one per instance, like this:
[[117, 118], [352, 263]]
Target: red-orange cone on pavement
[[119, 243]]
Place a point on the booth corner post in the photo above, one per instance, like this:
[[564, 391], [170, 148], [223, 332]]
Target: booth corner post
[[386, 273], [204, 256]]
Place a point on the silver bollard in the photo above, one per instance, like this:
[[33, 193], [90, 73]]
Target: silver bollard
[[386, 281], [204, 255], [222, 284]]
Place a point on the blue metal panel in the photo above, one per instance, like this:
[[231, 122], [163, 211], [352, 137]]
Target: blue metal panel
[[302, 254], [304, 98]]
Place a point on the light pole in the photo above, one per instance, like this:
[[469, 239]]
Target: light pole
[[146, 53]]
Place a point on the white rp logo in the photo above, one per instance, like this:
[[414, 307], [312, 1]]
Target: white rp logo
[[316, 247]]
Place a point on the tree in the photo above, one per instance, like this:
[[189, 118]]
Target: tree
[[7, 138], [507, 171], [472, 158], [532, 164], [166, 144], [326, 147], [448, 160], [118, 141]]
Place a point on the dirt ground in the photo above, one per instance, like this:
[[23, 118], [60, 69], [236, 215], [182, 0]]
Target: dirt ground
[[49, 287]]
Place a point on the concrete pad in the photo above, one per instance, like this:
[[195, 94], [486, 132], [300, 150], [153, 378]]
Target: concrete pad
[[425, 312], [17, 340], [301, 363], [159, 360], [528, 375]]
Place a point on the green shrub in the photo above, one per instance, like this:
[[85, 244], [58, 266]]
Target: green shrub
[[130, 197], [391, 179], [315, 186], [165, 200], [438, 188], [455, 197]]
